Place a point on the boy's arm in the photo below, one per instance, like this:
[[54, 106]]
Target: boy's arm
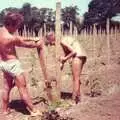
[[71, 54]]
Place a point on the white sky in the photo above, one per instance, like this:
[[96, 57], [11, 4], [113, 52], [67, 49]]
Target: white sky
[[82, 4]]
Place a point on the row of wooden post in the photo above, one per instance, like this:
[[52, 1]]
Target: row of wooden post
[[59, 33]]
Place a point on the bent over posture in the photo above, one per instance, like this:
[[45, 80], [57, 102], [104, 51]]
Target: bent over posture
[[9, 62], [73, 50]]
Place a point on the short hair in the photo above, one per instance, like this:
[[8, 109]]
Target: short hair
[[13, 19], [47, 40]]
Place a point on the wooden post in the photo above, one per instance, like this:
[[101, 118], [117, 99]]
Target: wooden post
[[75, 33], [58, 38], [93, 82], [94, 43], [108, 41], [24, 31], [71, 25], [116, 31], [62, 29], [108, 47], [44, 29], [40, 33]]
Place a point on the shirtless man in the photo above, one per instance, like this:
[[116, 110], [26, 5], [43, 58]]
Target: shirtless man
[[9, 63], [73, 50]]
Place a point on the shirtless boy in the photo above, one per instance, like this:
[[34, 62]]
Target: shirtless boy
[[73, 50], [10, 64]]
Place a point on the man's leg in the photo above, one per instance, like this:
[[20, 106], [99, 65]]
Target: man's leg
[[77, 65], [21, 84], [8, 85]]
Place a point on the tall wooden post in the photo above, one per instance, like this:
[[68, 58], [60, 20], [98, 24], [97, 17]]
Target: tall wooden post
[[71, 25], [75, 33], [94, 42], [44, 29], [24, 32], [108, 48], [108, 40], [58, 38]]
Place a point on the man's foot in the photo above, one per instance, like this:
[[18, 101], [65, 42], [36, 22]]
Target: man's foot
[[7, 112], [35, 113]]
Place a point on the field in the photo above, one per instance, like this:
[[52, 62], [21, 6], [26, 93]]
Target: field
[[100, 78]]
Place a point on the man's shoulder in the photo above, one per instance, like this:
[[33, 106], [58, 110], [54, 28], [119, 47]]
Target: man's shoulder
[[8, 39]]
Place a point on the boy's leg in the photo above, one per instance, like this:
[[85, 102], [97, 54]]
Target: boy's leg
[[8, 85], [77, 65]]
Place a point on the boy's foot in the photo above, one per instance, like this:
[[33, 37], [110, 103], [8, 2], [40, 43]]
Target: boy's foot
[[77, 99], [72, 102]]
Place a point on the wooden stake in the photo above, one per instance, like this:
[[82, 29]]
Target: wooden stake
[[94, 43], [71, 28], [108, 41], [44, 29], [58, 38]]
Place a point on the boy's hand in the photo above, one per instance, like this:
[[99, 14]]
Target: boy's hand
[[61, 66], [62, 59]]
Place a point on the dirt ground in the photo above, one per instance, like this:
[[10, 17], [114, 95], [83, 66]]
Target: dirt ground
[[100, 86], [97, 108]]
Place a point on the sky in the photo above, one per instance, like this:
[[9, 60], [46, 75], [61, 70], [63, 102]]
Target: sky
[[82, 4], [116, 18]]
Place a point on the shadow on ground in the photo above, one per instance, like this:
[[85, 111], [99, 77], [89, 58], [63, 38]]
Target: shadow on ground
[[19, 106], [66, 95]]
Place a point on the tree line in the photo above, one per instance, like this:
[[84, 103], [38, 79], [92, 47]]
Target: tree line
[[101, 10], [35, 18]]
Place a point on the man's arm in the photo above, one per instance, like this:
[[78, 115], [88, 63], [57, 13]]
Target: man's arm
[[41, 53], [25, 42]]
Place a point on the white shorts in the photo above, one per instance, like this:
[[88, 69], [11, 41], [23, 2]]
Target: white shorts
[[13, 67]]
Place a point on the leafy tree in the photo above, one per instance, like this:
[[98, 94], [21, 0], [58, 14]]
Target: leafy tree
[[100, 10], [35, 18], [69, 14]]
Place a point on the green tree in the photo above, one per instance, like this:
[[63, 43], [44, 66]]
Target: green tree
[[69, 14], [100, 10]]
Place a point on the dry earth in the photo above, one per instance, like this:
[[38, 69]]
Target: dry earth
[[100, 81]]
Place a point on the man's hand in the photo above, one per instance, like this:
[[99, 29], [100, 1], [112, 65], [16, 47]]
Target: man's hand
[[39, 43]]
